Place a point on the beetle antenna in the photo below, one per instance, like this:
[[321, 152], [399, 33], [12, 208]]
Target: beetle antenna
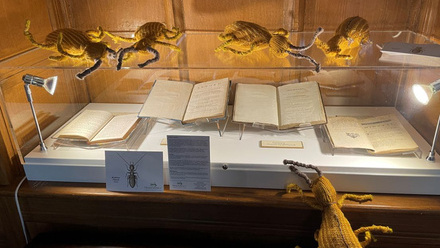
[[124, 160], [156, 57], [303, 48], [140, 159], [81, 75], [299, 173], [310, 59], [122, 54], [304, 165]]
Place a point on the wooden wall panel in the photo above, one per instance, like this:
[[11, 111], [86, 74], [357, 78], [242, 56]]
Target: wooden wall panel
[[115, 15], [423, 19], [213, 15], [12, 19], [380, 14], [435, 34]]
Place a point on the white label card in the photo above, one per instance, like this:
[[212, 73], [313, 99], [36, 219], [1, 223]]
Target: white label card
[[134, 171], [189, 163]]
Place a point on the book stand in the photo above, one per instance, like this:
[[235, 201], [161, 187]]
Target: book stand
[[221, 123], [242, 127]]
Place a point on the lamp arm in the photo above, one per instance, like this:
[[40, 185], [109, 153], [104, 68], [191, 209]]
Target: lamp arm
[[28, 91], [29, 97], [431, 156]]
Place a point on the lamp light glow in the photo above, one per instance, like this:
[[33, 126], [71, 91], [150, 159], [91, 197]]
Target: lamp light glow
[[424, 93], [49, 84]]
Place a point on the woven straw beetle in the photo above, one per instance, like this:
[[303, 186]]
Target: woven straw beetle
[[75, 44], [253, 37], [145, 37], [335, 230], [351, 33]]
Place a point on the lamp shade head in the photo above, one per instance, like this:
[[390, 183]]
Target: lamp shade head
[[423, 93], [49, 84]]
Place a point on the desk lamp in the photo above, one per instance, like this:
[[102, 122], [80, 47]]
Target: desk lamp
[[423, 94], [49, 84]]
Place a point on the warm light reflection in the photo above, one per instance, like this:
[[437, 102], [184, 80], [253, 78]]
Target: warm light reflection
[[423, 93]]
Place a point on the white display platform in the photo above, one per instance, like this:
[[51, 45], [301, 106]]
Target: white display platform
[[249, 165]]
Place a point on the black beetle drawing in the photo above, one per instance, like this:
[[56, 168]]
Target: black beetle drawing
[[131, 175]]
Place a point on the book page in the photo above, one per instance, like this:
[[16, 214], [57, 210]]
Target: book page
[[85, 125], [300, 103], [256, 103], [118, 128], [387, 134], [347, 132], [208, 100], [167, 99]]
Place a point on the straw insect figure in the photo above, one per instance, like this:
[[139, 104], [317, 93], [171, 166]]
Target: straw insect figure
[[251, 37], [351, 33], [145, 38], [75, 44], [335, 230]]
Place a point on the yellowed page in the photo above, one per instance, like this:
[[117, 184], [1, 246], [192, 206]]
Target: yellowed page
[[118, 128], [167, 99], [85, 125], [208, 100], [300, 104], [256, 103], [387, 135], [347, 132]]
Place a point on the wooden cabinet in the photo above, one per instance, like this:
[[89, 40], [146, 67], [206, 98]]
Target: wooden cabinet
[[225, 210]]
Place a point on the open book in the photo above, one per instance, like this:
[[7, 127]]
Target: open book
[[187, 102], [379, 135], [286, 106], [98, 126]]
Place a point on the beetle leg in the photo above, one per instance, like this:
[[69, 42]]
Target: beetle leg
[[322, 45], [302, 56], [83, 74], [175, 33], [156, 57], [343, 56], [223, 45], [57, 58], [251, 49], [367, 230], [171, 46], [117, 38], [31, 38], [312, 202], [95, 35], [356, 198]]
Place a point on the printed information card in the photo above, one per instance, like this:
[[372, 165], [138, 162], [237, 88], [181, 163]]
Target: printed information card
[[189, 163], [134, 171]]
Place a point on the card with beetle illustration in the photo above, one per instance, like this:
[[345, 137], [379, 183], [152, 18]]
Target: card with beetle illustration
[[134, 171]]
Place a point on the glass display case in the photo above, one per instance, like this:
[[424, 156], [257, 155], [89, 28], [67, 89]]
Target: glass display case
[[364, 86]]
